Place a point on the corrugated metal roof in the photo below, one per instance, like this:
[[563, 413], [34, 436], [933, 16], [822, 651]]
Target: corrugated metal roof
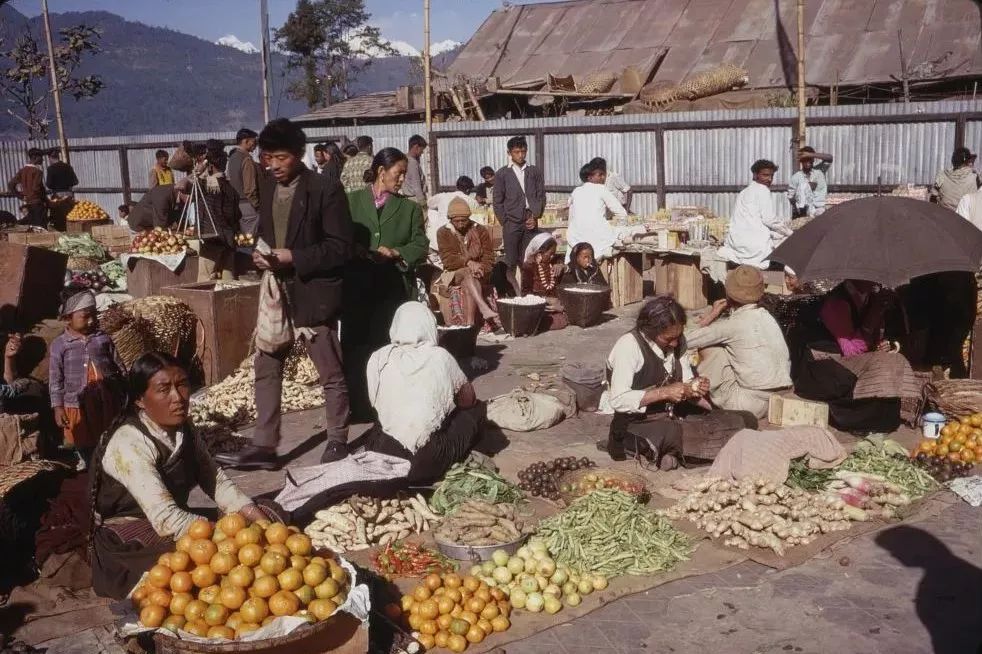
[[373, 105], [847, 42]]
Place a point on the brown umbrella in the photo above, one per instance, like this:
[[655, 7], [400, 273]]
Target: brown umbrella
[[882, 239]]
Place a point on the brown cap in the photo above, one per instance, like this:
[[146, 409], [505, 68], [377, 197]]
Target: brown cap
[[458, 207], [745, 284]]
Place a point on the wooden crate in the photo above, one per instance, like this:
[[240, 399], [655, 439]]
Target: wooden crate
[[228, 316], [112, 236], [788, 411], [32, 282], [147, 277], [680, 277], [85, 226], [625, 274], [37, 239]]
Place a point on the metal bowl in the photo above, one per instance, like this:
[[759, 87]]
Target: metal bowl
[[475, 554]]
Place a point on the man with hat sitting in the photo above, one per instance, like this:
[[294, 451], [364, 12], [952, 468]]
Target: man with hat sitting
[[467, 256], [744, 355]]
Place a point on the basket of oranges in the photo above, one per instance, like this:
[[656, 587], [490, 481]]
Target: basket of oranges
[[960, 444], [232, 583]]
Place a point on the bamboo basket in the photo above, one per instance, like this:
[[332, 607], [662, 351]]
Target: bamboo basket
[[585, 307], [598, 82], [82, 263], [955, 397], [521, 319]]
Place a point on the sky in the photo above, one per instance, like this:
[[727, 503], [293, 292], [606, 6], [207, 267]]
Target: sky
[[399, 20]]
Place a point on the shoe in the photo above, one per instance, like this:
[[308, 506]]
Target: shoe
[[249, 458], [334, 451]]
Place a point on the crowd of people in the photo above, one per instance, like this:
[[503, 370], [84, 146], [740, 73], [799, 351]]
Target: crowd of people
[[348, 235]]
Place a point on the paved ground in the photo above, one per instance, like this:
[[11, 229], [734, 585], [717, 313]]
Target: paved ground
[[909, 589]]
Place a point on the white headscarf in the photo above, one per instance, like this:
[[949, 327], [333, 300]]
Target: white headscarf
[[413, 382], [537, 243]]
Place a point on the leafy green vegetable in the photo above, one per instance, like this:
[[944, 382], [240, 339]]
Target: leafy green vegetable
[[801, 476], [472, 481], [82, 245]]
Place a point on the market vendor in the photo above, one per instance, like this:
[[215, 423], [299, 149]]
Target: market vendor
[[853, 366], [427, 411], [143, 471], [222, 210], [588, 207], [651, 382], [540, 276], [744, 355], [755, 228], [157, 208], [467, 255]]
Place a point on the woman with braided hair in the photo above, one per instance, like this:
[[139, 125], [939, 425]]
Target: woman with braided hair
[[659, 406], [143, 470]]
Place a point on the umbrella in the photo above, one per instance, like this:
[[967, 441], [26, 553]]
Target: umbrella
[[883, 239]]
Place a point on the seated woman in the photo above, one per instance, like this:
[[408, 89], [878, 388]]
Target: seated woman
[[467, 256], [659, 406], [427, 411], [540, 276], [582, 267], [858, 373], [143, 470]]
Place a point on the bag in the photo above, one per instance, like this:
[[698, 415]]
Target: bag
[[524, 411], [274, 327], [181, 160]]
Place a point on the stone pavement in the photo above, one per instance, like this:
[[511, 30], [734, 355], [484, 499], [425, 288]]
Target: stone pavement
[[854, 599]]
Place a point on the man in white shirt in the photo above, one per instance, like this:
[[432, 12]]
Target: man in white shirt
[[755, 228], [808, 188], [436, 215], [588, 207], [744, 356], [970, 208]]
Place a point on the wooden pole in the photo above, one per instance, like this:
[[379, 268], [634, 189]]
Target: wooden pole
[[903, 67], [264, 31], [55, 86], [427, 88], [801, 74]]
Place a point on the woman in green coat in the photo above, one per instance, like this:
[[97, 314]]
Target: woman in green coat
[[389, 242]]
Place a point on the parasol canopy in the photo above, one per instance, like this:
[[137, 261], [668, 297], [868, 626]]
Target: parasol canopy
[[883, 239]]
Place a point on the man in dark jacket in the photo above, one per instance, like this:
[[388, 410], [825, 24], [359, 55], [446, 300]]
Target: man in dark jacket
[[28, 186], [60, 180], [519, 200], [304, 218]]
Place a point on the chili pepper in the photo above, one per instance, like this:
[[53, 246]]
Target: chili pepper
[[411, 560]]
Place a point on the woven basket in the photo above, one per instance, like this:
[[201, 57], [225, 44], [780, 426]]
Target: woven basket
[[82, 263], [955, 397], [14, 474], [718, 80], [521, 319], [576, 476], [461, 343], [133, 341], [599, 82], [586, 305], [346, 626]]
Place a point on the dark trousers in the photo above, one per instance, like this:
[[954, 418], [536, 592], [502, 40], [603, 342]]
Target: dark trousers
[[37, 215], [325, 352]]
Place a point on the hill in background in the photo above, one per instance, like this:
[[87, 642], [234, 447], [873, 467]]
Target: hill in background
[[160, 81]]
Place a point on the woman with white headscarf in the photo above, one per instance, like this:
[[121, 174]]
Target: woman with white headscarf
[[427, 410]]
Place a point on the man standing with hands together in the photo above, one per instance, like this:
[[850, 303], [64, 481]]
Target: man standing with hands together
[[519, 200], [304, 218]]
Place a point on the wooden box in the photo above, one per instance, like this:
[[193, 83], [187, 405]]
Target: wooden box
[[32, 282], [85, 226], [788, 411], [146, 277], [37, 239], [625, 274], [680, 276], [112, 236], [228, 316]]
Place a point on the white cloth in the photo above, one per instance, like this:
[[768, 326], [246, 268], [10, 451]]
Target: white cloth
[[588, 206], [303, 484], [800, 190], [436, 215], [413, 383], [520, 174], [755, 345], [625, 361], [131, 459], [536, 244], [618, 187], [970, 208], [755, 228]]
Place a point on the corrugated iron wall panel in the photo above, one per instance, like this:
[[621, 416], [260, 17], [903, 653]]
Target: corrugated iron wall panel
[[723, 156], [631, 154], [466, 156], [973, 135]]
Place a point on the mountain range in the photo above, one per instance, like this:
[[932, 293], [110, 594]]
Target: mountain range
[[161, 81]]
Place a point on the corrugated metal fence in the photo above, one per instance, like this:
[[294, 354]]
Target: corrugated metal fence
[[700, 158]]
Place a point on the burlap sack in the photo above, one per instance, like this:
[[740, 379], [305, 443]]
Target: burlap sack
[[274, 327], [524, 411]]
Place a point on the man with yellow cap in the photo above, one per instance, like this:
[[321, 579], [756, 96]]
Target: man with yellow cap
[[744, 355]]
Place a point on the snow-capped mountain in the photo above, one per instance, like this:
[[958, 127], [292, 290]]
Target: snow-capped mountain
[[443, 46], [232, 41]]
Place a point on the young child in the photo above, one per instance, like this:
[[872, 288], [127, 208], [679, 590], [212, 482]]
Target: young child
[[582, 267], [83, 367]]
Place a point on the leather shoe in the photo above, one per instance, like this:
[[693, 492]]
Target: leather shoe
[[249, 458], [334, 451]]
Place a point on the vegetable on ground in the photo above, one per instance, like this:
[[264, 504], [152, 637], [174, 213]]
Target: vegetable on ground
[[472, 481]]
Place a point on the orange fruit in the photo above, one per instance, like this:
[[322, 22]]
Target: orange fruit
[[290, 579], [475, 634], [432, 581], [228, 546], [210, 594], [241, 576], [202, 550], [254, 610], [203, 576], [428, 627], [277, 533], [231, 524], [174, 622], [444, 621], [322, 609], [456, 643], [160, 597], [299, 544], [197, 627], [153, 616], [441, 638], [421, 593], [265, 587], [179, 602], [221, 631], [194, 610], [954, 456], [215, 615], [284, 603], [273, 563], [179, 561], [159, 576], [232, 597], [471, 583], [180, 582], [500, 623], [222, 564], [485, 626], [445, 605], [200, 529], [252, 534], [427, 640], [429, 610]]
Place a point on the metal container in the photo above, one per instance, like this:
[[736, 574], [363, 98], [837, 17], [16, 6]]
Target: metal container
[[931, 424], [476, 554]]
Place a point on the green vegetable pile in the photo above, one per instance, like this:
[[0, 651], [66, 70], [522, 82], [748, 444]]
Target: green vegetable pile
[[805, 478], [610, 533], [116, 274], [472, 481], [82, 245], [891, 461]]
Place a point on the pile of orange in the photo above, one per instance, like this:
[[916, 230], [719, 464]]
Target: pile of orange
[[453, 612], [86, 210], [226, 580], [960, 441]]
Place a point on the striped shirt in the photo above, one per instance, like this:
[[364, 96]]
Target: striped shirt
[[70, 355]]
